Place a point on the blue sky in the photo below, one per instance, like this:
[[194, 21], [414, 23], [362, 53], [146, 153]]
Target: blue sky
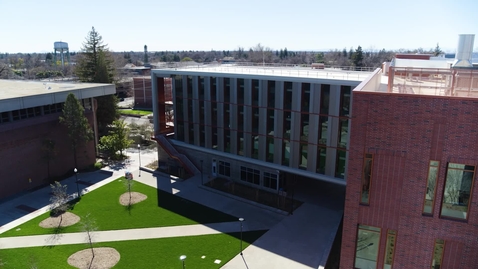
[[33, 25]]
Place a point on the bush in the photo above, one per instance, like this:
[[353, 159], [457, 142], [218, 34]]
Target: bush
[[98, 165]]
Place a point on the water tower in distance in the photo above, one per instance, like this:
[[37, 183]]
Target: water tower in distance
[[62, 48]]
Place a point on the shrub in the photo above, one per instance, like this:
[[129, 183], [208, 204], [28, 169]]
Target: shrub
[[98, 165]]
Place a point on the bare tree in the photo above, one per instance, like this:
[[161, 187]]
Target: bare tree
[[59, 200], [128, 183], [88, 226]]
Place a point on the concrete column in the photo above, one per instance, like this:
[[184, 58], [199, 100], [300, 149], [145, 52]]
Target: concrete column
[[314, 109], [186, 108], [262, 119], [295, 125], [220, 113], [207, 112], [278, 122], [332, 130], [247, 120], [233, 115], [196, 110], [154, 89]]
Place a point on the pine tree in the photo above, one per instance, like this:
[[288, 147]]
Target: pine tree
[[358, 57], [97, 65], [437, 50], [79, 130]]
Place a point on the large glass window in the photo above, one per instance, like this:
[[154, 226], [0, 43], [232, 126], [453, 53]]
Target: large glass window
[[270, 149], [343, 132], [323, 124], [285, 152], [390, 249], [224, 169], [305, 97], [366, 178], [271, 94], [366, 251], [431, 187], [438, 254], [250, 175], [345, 100], [270, 180], [457, 192], [324, 99]]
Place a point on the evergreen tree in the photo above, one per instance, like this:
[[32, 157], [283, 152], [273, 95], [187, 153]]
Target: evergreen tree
[[97, 65], [437, 50], [344, 53], [358, 57], [77, 125]]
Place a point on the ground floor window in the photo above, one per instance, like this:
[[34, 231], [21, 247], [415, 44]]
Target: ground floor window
[[270, 180], [224, 169], [250, 175], [367, 247]]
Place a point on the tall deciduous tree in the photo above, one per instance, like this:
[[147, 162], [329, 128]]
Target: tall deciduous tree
[[79, 130], [117, 140], [95, 64]]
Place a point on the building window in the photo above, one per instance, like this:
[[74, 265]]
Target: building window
[[250, 175], [457, 191], [438, 253], [5, 117], [321, 159], [324, 99], [285, 152], [323, 123], [270, 180], [366, 251], [224, 169], [390, 249], [340, 163], [270, 149], [431, 187], [366, 178], [343, 132]]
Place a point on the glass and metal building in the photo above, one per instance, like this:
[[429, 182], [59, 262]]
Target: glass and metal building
[[260, 125]]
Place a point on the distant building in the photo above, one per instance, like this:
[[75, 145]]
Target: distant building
[[29, 113], [143, 98]]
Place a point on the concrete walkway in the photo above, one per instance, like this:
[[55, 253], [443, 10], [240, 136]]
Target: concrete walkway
[[120, 235], [302, 240]]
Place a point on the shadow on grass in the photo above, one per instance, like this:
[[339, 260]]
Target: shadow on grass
[[191, 210]]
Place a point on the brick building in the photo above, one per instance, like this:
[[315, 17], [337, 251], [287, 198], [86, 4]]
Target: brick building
[[29, 114], [143, 96], [411, 197]]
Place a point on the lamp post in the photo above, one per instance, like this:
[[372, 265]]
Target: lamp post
[[77, 187], [241, 220], [202, 182], [182, 258], [139, 152]]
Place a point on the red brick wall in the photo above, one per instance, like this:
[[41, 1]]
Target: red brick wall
[[405, 132], [21, 156]]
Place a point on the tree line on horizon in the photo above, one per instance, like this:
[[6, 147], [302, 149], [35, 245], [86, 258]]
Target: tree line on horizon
[[43, 65]]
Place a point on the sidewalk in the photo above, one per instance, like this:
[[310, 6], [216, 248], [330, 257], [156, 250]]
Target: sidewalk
[[120, 235]]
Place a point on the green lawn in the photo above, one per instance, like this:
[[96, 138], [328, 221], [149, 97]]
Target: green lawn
[[104, 207], [135, 112], [152, 253]]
